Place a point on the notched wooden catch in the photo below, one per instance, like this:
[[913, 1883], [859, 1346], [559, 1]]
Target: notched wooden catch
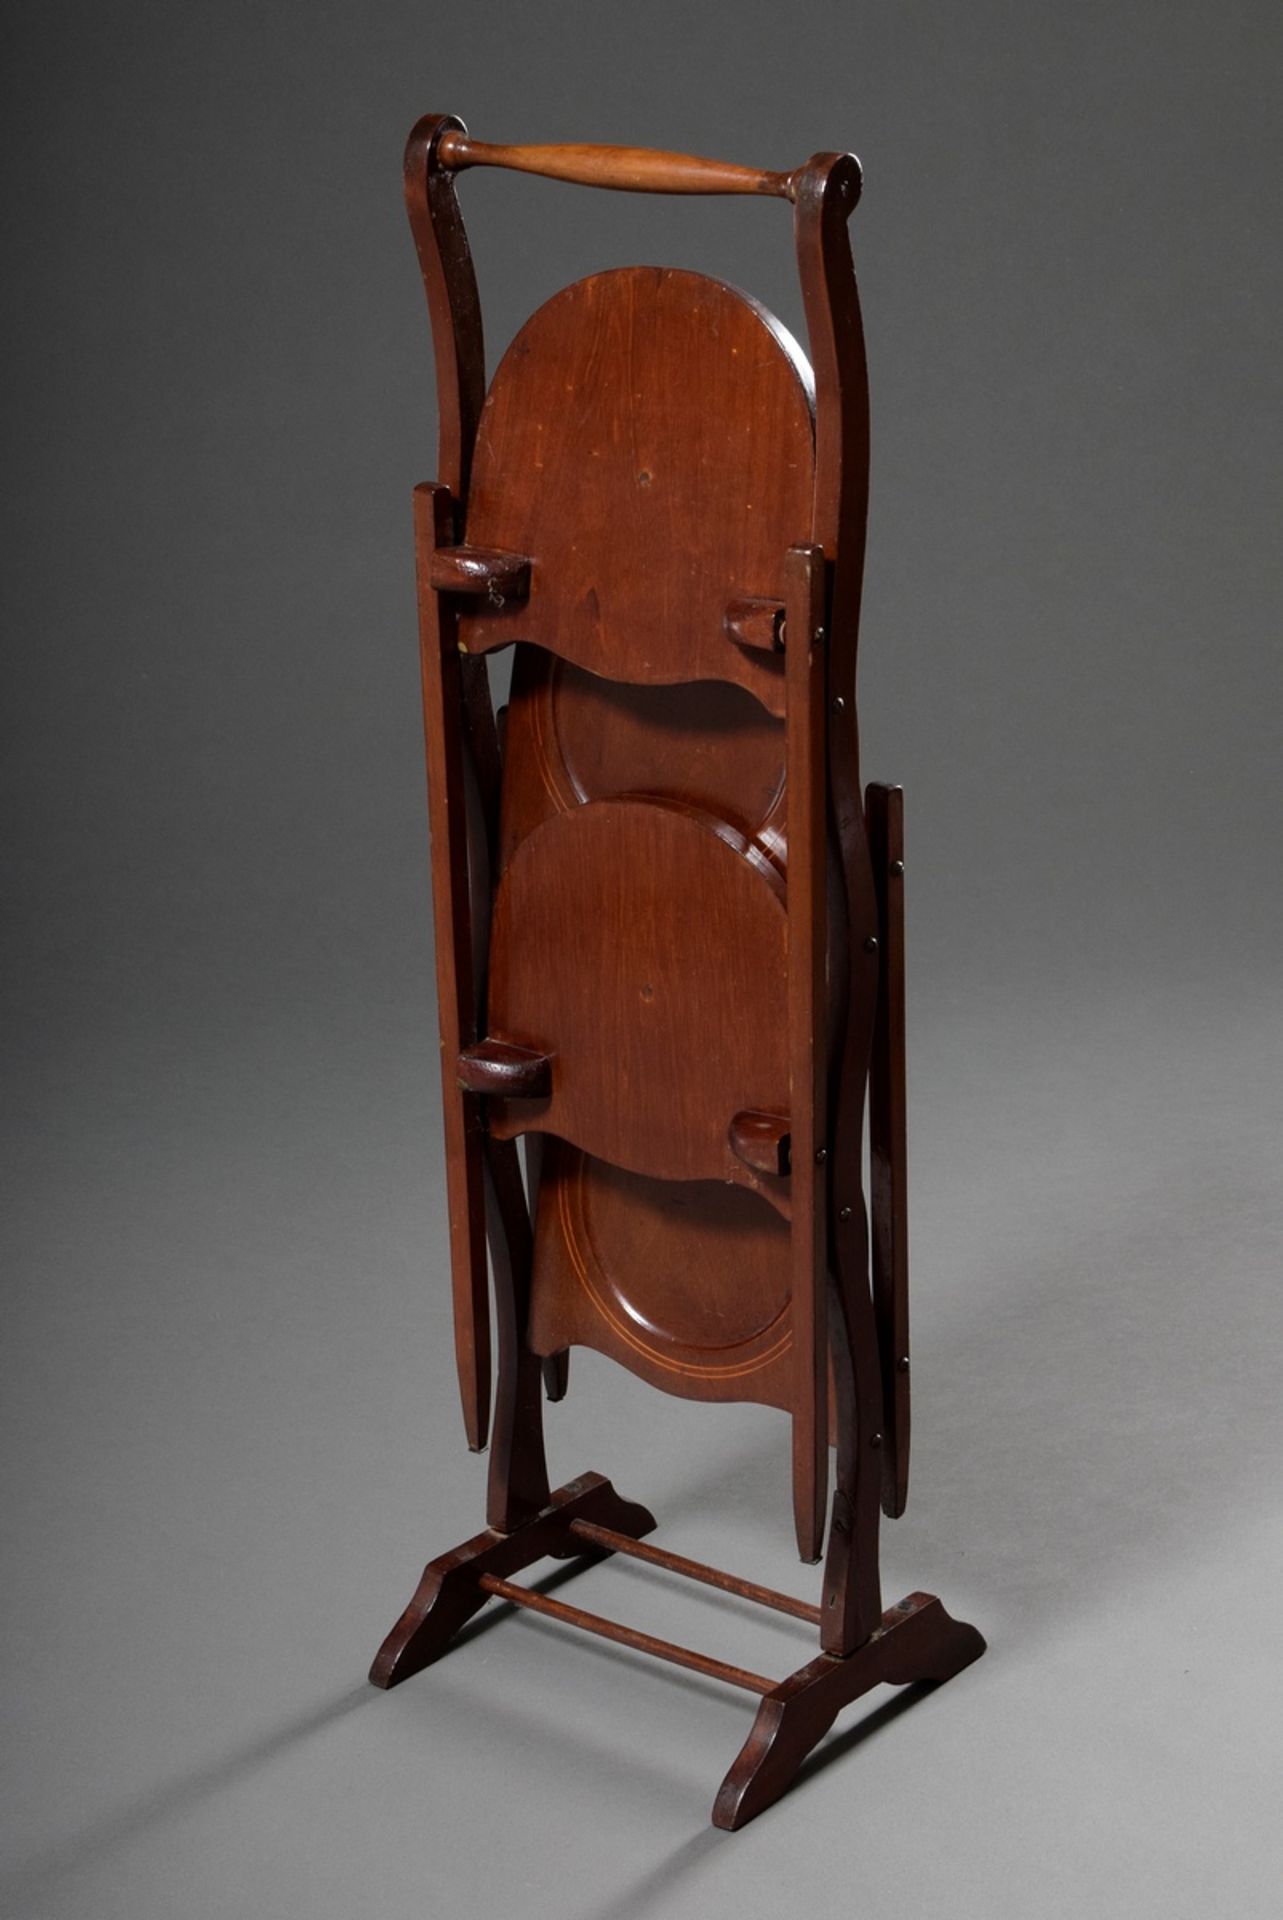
[[514, 1073], [758, 624], [500, 577], [762, 1141]]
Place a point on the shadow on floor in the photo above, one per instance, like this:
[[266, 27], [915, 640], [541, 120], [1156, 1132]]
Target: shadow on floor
[[180, 1796]]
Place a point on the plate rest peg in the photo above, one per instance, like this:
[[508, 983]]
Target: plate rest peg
[[512, 1073]]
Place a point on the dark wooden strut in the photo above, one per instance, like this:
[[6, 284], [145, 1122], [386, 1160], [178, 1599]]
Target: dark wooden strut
[[888, 1173], [845, 1024], [492, 1067], [826, 193], [599, 1536], [626, 1636], [915, 1641]]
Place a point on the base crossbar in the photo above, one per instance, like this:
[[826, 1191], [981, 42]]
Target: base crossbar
[[626, 1636], [694, 1570], [916, 1641]]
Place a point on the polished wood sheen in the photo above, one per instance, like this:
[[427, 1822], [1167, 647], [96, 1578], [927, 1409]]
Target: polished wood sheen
[[888, 1144], [603, 925], [633, 169], [501, 577], [763, 1140], [597, 1535], [497, 1068], [669, 922], [663, 422], [624, 1636]]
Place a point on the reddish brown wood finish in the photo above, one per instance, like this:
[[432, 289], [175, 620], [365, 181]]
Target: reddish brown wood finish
[[888, 1144], [604, 924], [662, 425], [827, 190], [915, 1641], [460, 735], [518, 1482], [666, 957], [500, 1069], [633, 169], [449, 1592], [452, 905], [480, 570], [756, 623], [685, 1283], [699, 1570], [807, 1020], [623, 1636], [574, 736], [762, 1140]]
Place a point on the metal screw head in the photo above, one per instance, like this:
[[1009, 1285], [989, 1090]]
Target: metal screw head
[[871, 944], [839, 704], [821, 1155], [844, 1213], [876, 1441], [819, 636], [897, 866], [903, 1363]]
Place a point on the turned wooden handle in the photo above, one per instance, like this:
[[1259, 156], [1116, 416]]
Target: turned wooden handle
[[634, 169]]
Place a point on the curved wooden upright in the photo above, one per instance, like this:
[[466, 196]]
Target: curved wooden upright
[[668, 928]]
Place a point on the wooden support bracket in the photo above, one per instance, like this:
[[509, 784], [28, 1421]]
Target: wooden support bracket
[[758, 624], [450, 1591], [514, 1073], [888, 1152], [762, 1141], [915, 1641], [501, 577], [587, 1520]]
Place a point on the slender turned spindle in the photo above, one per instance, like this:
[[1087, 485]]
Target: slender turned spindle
[[626, 1636], [630, 169], [694, 1570]]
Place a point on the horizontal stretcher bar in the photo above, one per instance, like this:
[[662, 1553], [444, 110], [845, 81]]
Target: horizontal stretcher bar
[[634, 169], [626, 1636], [694, 1570]]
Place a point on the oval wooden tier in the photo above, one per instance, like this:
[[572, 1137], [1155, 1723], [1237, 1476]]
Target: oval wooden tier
[[642, 945], [685, 1283], [648, 515]]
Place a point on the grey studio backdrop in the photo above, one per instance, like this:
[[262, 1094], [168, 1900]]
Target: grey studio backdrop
[[230, 1425]]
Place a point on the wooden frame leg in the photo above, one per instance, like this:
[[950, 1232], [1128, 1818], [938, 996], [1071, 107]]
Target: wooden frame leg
[[888, 1155], [916, 1641], [450, 1591]]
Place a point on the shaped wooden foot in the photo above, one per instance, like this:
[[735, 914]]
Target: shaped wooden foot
[[916, 1641], [450, 1591]]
